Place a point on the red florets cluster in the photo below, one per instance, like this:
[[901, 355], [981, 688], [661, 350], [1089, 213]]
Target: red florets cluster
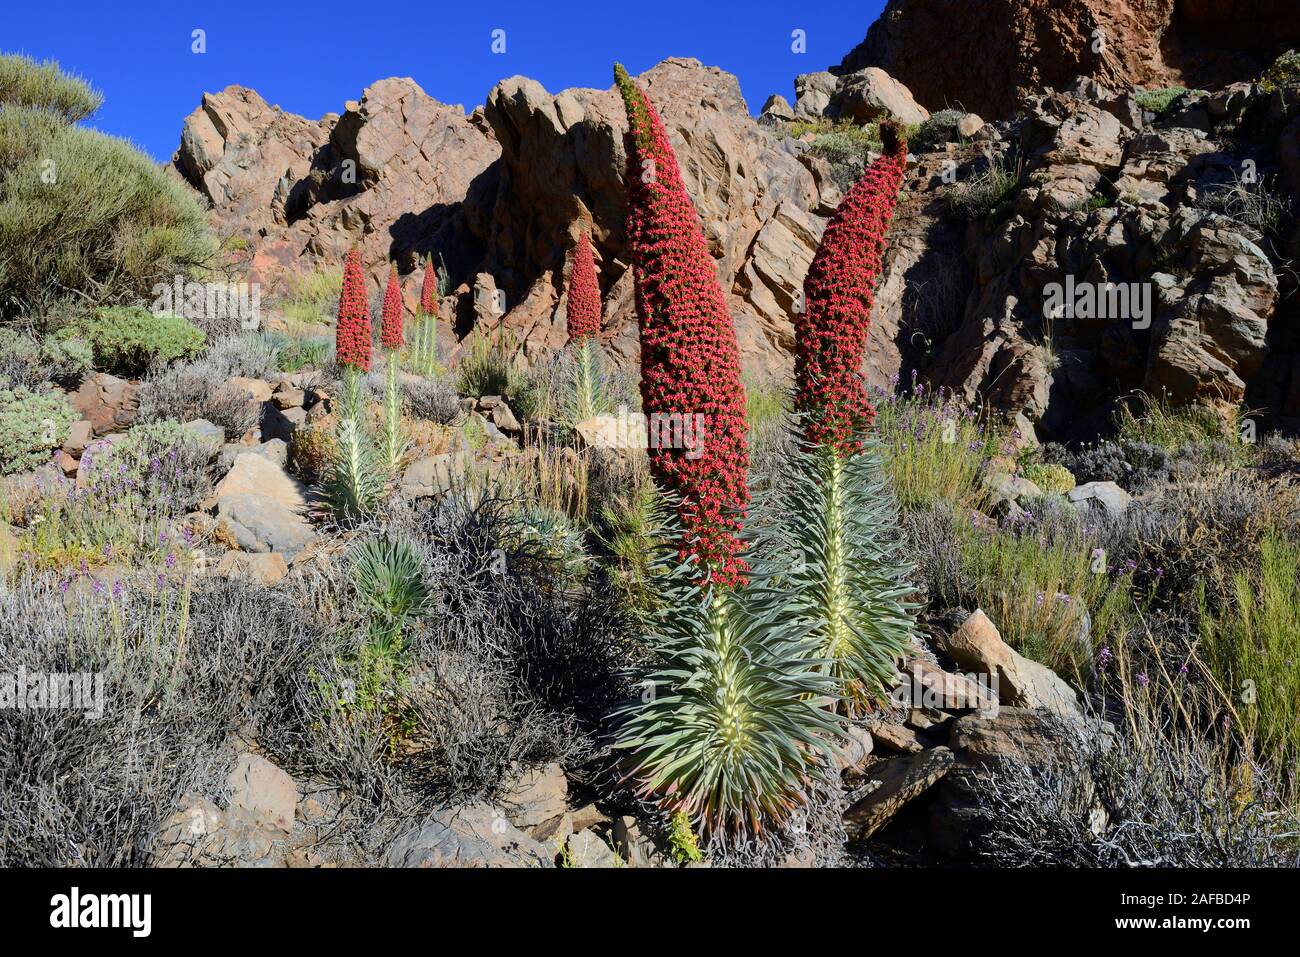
[[390, 329], [352, 328], [584, 294], [429, 290], [839, 291], [690, 364]]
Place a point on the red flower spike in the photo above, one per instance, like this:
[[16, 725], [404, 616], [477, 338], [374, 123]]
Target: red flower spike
[[839, 291], [429, 289], [390, 329], [584, 294], [352, 345], [690, 364]]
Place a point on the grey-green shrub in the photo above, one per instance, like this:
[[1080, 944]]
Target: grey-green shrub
[[937, 131], [128, 339], [24, 82], [82, 215], [1157, 101], [32, 425], [29, 363]]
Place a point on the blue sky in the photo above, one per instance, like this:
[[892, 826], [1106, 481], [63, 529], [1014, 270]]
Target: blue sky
[[310, 58]]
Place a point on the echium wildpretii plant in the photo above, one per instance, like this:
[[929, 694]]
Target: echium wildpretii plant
[[732, 727], [837, 555], [690, 363], [422, 350], [354, 480], [588, 396], [390, 337]]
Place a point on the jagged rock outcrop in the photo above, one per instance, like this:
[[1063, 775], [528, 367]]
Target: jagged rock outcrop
[[858, 97], [1104, 193], [1142, 215], [989, 55], [502, 194], [391, 173], [561, 173]]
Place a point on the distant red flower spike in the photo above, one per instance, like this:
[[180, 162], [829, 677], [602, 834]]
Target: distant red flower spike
[[584, 294], [429, 289], [352, 345], [839, 292], [690, 364], [390, 329]]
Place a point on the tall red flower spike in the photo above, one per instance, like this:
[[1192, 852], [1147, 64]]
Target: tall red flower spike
[[584, 294], [352, 328], [690, 364], [429, 289], [390, 329], [839, 291]]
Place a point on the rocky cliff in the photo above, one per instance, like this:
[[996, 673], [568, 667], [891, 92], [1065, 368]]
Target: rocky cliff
[[989, 55], [1094, 191], [501, 194]]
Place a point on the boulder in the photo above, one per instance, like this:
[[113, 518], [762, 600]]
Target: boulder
[[213, 436], [895, 737], [262, 508], [777, 109], [264, 791], [812, 94], [258, 390], [471, 836], [983, 743], [536, 795], [635, 847], [108, 403], [586, 850], [280, 423], [927, 685], [201, 834], [258, 524], [969, 125], [275, 451], [264, 568], [257, 475], [890, 785], [80, 434], [434, 476], [1107, 498], [872, 94], [1019, 682]]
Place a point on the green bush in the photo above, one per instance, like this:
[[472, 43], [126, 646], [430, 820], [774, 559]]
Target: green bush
[[127, 339], [488, 367], [1285, 71], [1052, 479], [845, 146], [82, 215], [24, 82], [1253, 644], [983, 192], [936, 132], [32, 425], [1157, 101], [313, 297], [26, 362]]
